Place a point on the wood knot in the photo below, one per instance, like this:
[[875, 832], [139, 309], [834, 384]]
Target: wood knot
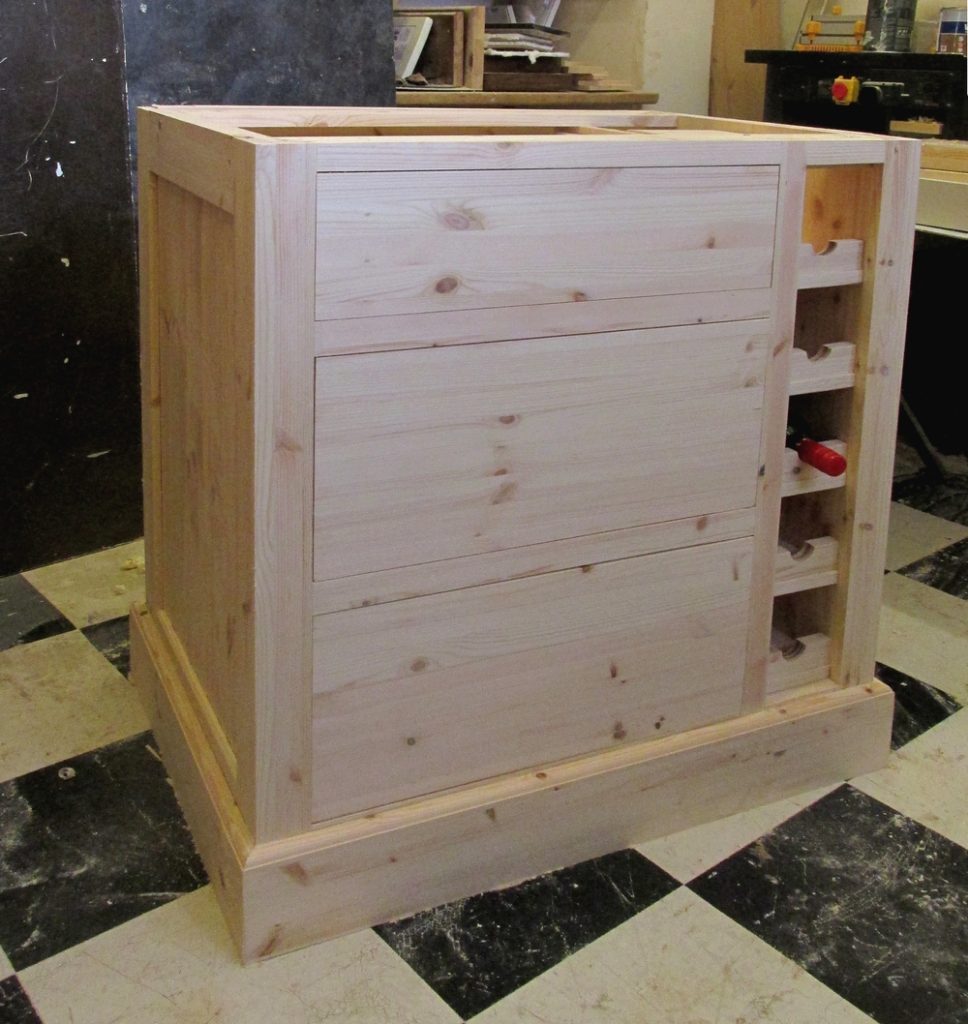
[[613, 670], [418, 664], [446, 285], [491, 813], [504, 493], [458, 221], [508, 419], [411, 741], [618, 731], [579, 297]]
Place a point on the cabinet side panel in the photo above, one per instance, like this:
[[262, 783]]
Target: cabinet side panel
[[874, 203], [200, 554]]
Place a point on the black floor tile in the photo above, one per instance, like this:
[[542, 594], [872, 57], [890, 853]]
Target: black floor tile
[[947, 499], [945, 570], [868, 901], [112, 639], [917, 706], [15, 1007], [26, 615], [475, 951], [88, 844]]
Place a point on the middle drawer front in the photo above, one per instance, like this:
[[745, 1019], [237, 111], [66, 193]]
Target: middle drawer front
[[443, 453], [421, 695]]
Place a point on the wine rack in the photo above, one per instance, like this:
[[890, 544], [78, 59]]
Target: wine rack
[[836, 367]]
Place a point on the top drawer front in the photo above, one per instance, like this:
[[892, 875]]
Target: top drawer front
[[432, 241]]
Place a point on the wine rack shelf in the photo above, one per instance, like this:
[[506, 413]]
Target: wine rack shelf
[[840, 262], [830, 368], [811, 564], [809, 662], [799, 478]]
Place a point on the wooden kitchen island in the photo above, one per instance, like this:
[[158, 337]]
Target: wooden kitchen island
[[473, 545]]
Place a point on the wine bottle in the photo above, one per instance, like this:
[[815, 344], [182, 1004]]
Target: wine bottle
[[813, 453]]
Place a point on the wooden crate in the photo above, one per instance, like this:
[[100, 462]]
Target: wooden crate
[[468, 514]]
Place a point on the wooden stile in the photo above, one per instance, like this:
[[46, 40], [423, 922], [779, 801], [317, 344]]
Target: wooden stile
[[468, 514]]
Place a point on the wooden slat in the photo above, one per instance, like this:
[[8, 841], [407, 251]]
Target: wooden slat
[[813, 565], [462, 686], [450, 240], [622, 99], [432, 330], [370, 868], [279, 207], [437, 577], [736, 89], [429, 455], [840, 262], [949, 155], [193, 157], [770, 463], [199, 546], [218, 828], [882, 321], [810, 666], [831, 367]]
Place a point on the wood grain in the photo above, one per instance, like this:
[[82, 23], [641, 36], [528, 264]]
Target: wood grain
[[449, 240], [429, 455]]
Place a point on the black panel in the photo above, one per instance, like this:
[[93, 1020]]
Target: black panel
[[69, 418], [271, 52]]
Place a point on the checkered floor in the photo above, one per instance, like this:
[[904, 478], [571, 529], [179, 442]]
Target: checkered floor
[[842, 905]]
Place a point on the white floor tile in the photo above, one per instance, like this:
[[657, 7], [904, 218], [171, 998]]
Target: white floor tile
[[679, 962], [176, 965], [914, 534], [94, 588], [689, 853], [927, 779], [59, 698], [924, 632]]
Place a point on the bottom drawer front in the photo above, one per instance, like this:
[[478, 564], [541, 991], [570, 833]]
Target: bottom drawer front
[[434, 692]]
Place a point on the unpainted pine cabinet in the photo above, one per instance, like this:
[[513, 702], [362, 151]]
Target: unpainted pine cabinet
[[473, 545]]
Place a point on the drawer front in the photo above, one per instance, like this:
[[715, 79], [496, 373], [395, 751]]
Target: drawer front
[[462, 686], [425, 242], [443, 453]]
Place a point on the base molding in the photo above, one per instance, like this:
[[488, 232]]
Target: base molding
[[369, 868]]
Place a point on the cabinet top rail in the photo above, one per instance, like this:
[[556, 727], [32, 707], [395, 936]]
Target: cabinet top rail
[[275, 125]]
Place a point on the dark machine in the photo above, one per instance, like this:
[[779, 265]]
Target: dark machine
[[914, 94], [907, 93]]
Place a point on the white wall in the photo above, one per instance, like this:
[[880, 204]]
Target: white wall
[[660, 45]]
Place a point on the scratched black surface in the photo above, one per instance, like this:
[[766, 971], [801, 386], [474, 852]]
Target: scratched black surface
[[68, 365], [872, 903], [475, 951], [336, 52], [15, 1006], [88, 844], [69, 417]]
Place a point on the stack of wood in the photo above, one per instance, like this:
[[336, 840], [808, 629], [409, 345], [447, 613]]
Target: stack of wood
[[551, 74]]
